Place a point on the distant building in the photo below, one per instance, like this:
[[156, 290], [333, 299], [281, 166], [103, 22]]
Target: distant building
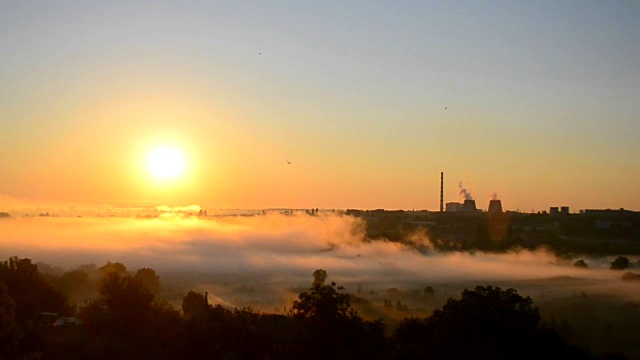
[[555, 211], [453, 207]]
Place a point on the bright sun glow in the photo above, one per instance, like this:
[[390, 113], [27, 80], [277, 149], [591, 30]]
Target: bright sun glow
[[166, 163]]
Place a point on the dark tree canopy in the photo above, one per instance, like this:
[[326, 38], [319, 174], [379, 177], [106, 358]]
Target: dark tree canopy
[[195, 305], [486, 322], [123, 303], [149, 278], [7, 321], [127, 313], [25, 294], [323, 303], [73, 280], [114, 267], [328, 328], [581, 264], [319, 276], [31, 292], [492, 305], [125, 320], [620, 263]]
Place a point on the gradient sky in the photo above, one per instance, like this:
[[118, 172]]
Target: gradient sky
[[542, 97]]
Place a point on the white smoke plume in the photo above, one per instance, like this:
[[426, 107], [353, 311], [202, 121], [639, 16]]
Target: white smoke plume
[[464, 192]]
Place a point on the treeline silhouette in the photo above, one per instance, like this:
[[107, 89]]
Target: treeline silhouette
[[127, 320]]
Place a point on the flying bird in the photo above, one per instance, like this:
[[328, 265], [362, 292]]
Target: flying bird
[[445, 107], [288, 162]]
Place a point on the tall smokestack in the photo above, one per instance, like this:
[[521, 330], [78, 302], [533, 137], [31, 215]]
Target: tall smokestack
[[441, 191]]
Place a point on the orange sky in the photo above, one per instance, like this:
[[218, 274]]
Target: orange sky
[[542, 104]]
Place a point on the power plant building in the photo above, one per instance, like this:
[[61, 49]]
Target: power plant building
[[453, 207], [468, 206], [555, 211]]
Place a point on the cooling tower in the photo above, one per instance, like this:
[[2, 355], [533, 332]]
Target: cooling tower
[[495, 207], [469, 206]]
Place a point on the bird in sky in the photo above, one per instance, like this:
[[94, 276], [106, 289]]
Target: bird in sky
[[445, 107], [288, 162]]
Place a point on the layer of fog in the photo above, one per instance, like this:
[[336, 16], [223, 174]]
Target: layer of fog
[[276, 249]]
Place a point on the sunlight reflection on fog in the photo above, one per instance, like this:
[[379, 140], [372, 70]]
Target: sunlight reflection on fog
[[287, 246]]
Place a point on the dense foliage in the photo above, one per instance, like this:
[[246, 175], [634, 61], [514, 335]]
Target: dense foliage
[[486, 322], [126, 320]]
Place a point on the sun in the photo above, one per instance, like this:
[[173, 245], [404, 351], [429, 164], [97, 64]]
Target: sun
[[166, 163]]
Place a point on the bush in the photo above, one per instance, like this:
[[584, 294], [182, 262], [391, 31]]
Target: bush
[[620, 263], [629, 276], [581, 264], [486, 322]]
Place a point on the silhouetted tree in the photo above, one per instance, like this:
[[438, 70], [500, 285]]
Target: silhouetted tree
[[8, 340], [26, 294], [323, 303], [401, 307], [31, 292], [393, 292], [121, 309], [581, 264], [202, 333], [88, 268], [330, 329], [629, 276], [213, 332], [195, 305], [76, 285], [429, 291], [149, 278], [486, 322], [388, 304], [319, 276], [620, 263], [134, 322], [110, 267]]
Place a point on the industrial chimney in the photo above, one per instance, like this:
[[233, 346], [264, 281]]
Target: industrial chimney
[[441, 191]]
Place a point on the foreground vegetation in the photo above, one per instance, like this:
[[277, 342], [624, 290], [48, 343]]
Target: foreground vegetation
[[127, 320]]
